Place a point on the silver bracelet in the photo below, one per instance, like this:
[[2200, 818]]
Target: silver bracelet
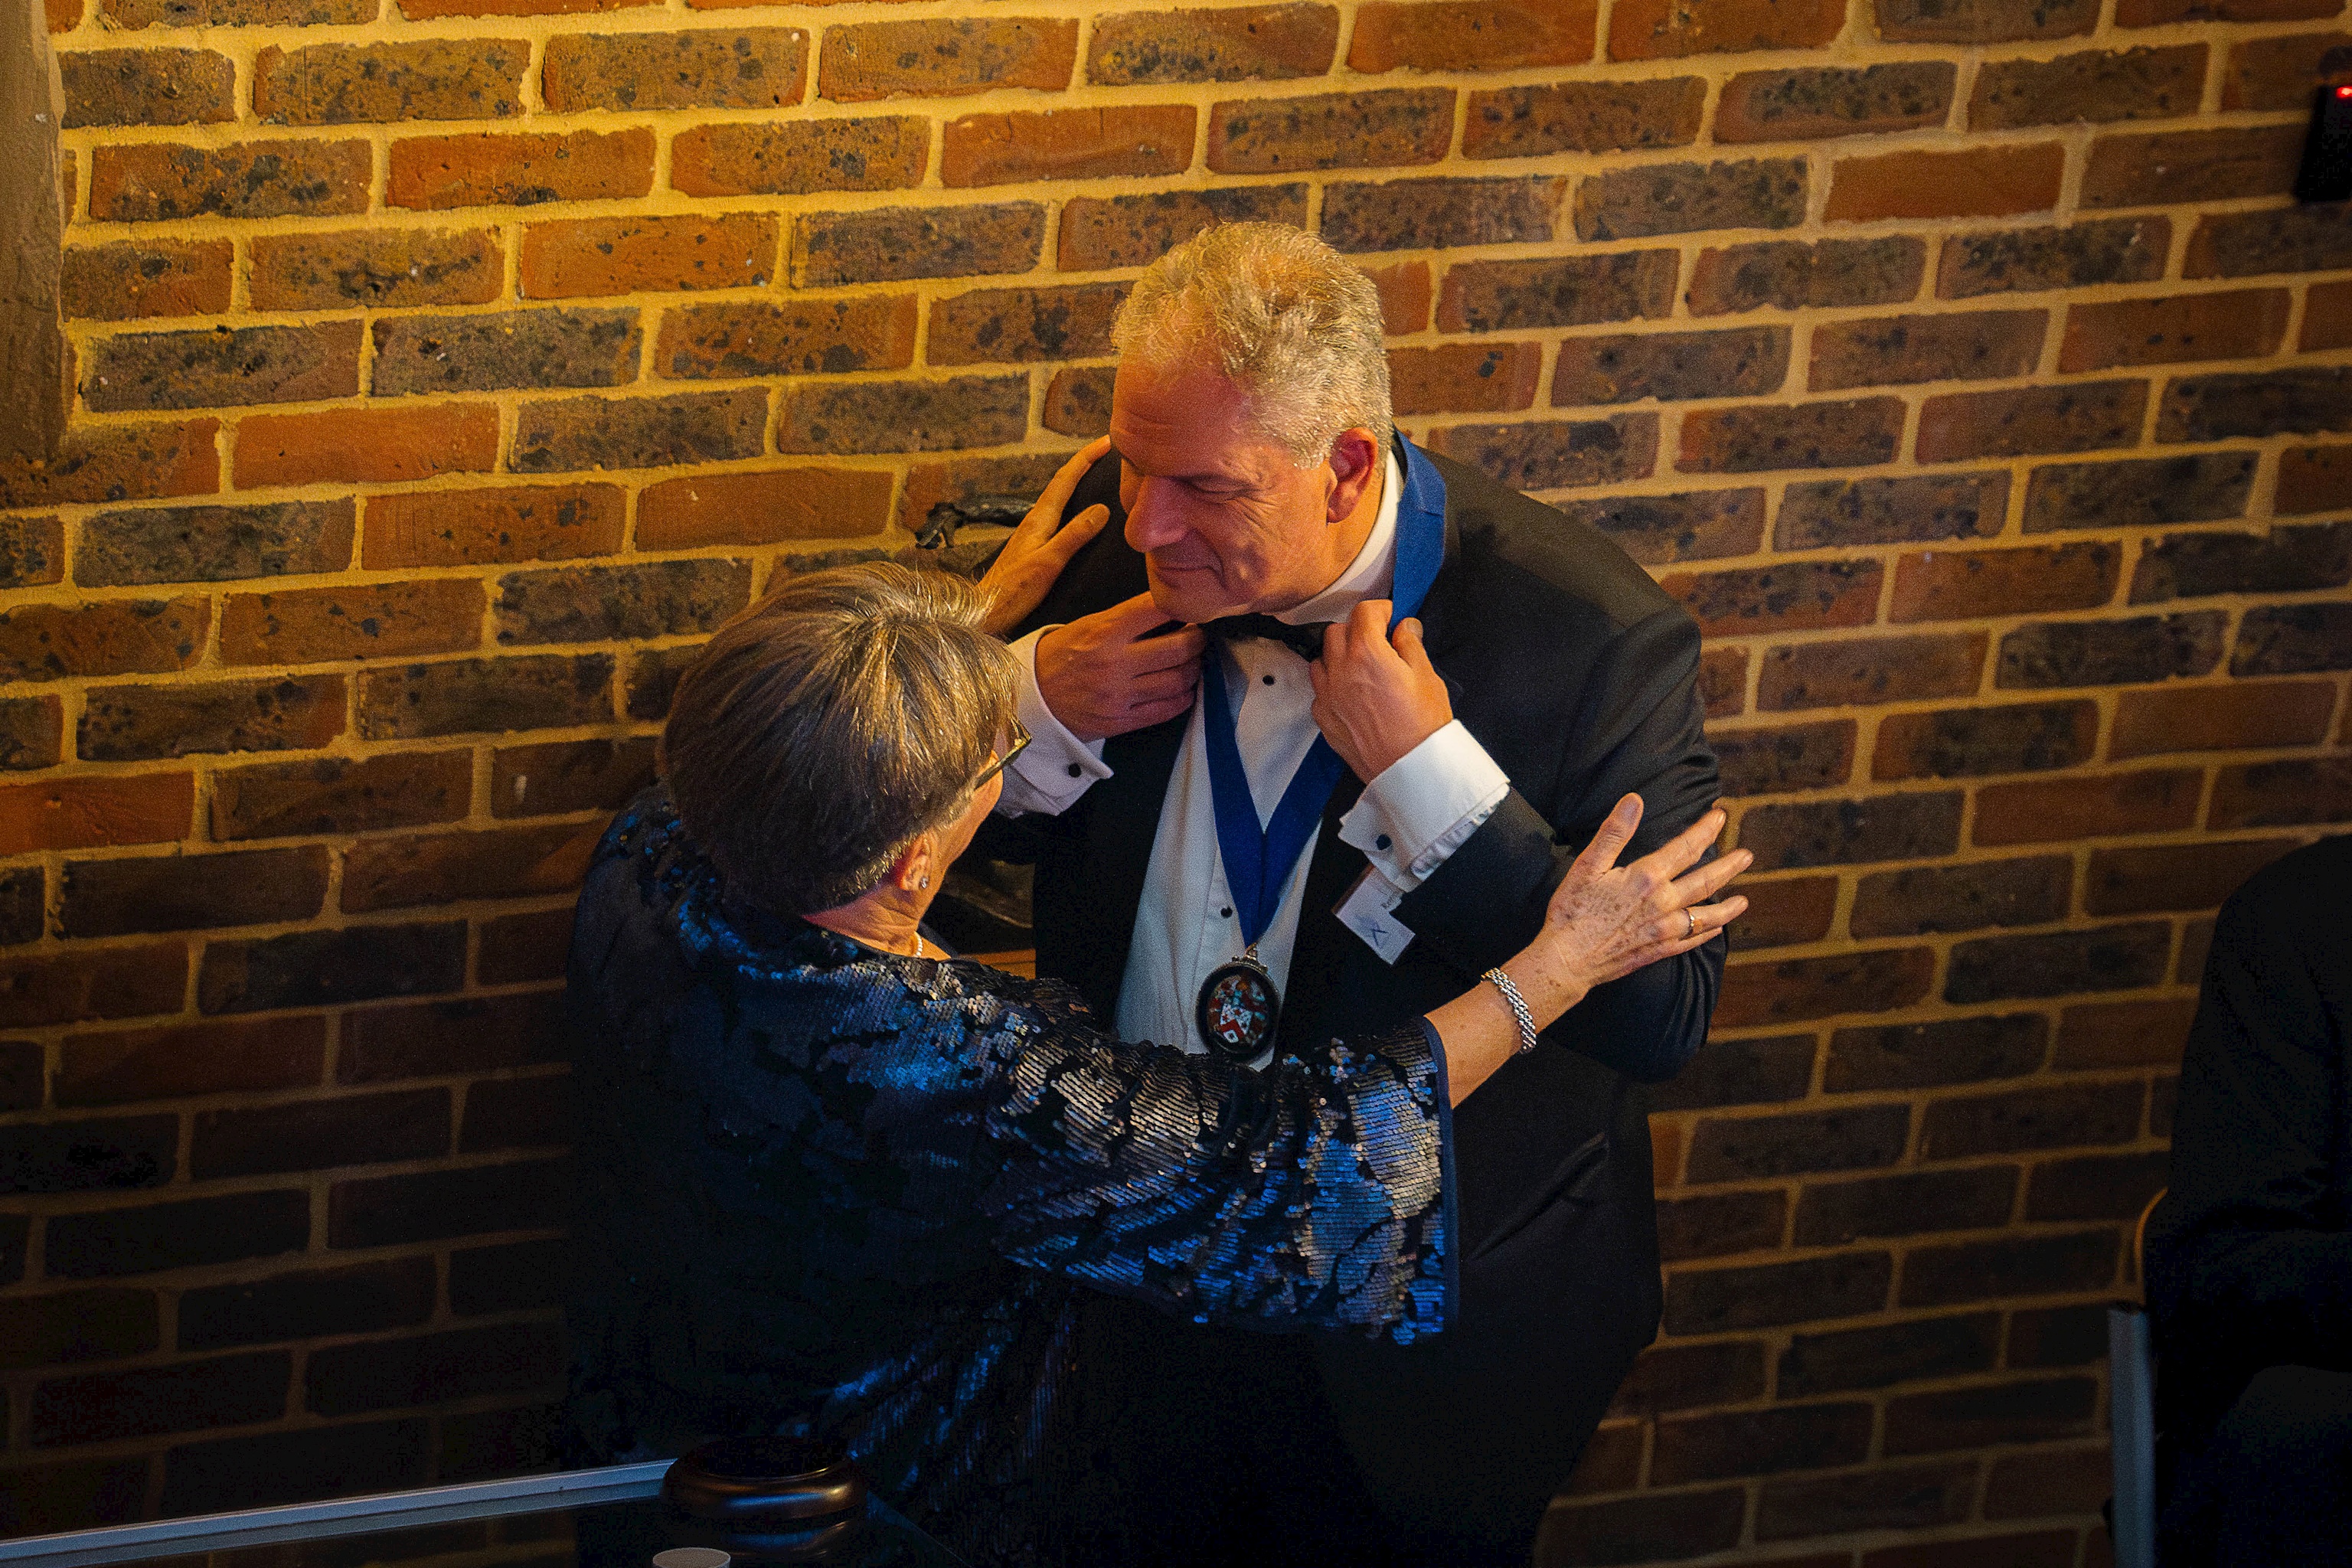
[[1502, 982]]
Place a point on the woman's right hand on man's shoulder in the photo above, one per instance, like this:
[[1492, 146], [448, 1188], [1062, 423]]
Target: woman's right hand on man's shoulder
[[1606, 921]]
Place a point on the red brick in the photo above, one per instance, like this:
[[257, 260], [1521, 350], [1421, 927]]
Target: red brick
[[435, 868], [456, 697], [379, 445], [811, 337], [1628, 1530], [380, 84], [2283, 794], [221, 367], [1947, 1051], [321, 968], [2280, 73], [319, 1134], [1661, 30], [1789, 275], [2327, 318], [1078, 402], [436, 1039], [126, 723], [2237, 716], [1724, 1444], [763, 507], [2158, 13], [434, 173], [1909, 827], [1723, 681], [1584, 117], [116, 636], [2079, 416], [916, 242], [1697, 525], [1758, 437], [1337, 130], [1982, 21], [581, 347], [1763, 1295], [757, 68], [1984, 182], [1471, 35], [2055, 810], [517, 948], [468, 528], [1431, 215], [117, 462], [1020, 325], [1784, 914], [31, 733], [2272, 240], [1760, 993], [1265, 43], [2060, 963], [1963, 742], [1612, 1461], [93, 982], [1677, 198], [2287, 561], [88, 812], [2132, 84], [2072, 256], [421, 10], [388, 620], [1734, 362], [190, 892], [1882, 1356], [1991, 1413], [1894, 350], [2124, 1034], [1872, 669], [1884, 1498], [903, 416], [1795, 596], [2138, 880], [1404, 296], [2315, 478], [1067, 144], [2169, 167], [944, 58], [337, 795], [1799, 105], [122, 1066], [1473, 378], [1102, 232], [1571, 291], [1786, 757], [153, 182], [1745, 1148], [158, 278], [1964, 584], [375, 268], [2243, 325], [2044, 1483], [68, 1326], [569, 775], [621, 256], [180, 1396], [794, 157], [1556, 454]]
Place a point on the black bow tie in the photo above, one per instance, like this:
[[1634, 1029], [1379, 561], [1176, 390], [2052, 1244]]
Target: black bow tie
[[1306, 641]]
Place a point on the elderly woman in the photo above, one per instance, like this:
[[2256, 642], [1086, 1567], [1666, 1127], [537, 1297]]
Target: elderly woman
[[843, 1183]]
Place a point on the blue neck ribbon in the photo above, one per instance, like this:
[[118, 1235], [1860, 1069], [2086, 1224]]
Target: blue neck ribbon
[[1258, 861]]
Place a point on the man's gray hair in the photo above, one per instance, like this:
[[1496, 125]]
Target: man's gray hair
[[825, 728], [1284, 317]]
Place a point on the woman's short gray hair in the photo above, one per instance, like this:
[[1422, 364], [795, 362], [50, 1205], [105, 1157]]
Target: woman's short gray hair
[[1287, 319], [825, 728]]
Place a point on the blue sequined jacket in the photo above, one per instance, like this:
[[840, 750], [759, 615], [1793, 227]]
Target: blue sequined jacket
[[833, 1191]]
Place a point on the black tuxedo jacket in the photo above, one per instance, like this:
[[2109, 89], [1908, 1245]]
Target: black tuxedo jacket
[[1578, 676]]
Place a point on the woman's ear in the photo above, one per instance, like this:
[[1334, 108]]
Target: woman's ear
[[913, 870]]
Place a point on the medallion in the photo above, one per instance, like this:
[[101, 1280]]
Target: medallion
[[1238, 1008]]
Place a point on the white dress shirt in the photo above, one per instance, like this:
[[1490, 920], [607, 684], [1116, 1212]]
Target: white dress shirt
[[1407, 821]]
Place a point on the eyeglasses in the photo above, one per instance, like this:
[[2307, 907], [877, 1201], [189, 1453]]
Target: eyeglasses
[[1018, 743]]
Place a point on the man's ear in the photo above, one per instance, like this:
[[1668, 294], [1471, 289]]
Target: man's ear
[[1355, 462]]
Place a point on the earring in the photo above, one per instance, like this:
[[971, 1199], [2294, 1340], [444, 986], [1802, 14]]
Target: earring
[[924, 884]]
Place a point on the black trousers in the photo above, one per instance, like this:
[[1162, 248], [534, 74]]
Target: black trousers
[[2271, 1487]]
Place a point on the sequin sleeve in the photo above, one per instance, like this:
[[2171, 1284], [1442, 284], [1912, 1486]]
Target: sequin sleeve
[[1313, 1193]]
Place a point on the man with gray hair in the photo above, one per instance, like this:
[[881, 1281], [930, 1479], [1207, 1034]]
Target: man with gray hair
[[1397, 700]]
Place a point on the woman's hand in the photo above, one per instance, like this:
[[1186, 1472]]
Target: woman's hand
[[1376, 699], [1043, 544], [1606, 921]]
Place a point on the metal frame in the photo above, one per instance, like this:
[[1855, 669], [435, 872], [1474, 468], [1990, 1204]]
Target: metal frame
[[339, 1516]]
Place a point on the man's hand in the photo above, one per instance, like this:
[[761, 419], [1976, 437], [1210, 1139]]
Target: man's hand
[[1033, 557], [1102, 676], [1374, 701]]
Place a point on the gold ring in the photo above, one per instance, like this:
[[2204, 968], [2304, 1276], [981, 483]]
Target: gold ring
[[1692, 918]]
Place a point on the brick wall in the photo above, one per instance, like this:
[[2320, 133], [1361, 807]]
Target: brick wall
[[449, 367]]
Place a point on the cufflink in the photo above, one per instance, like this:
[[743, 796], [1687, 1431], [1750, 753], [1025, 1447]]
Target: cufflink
[[1381, 842]]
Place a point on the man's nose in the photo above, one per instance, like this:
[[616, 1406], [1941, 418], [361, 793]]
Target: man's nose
[[1151, 522]]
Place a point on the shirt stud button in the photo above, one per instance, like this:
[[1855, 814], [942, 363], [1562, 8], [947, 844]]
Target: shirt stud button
[[1268, 680], [1075, 769], [1227, 913], [1381, 842]]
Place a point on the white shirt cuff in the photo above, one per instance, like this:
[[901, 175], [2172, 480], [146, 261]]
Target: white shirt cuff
[[1424, 806], [1056, 767]]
